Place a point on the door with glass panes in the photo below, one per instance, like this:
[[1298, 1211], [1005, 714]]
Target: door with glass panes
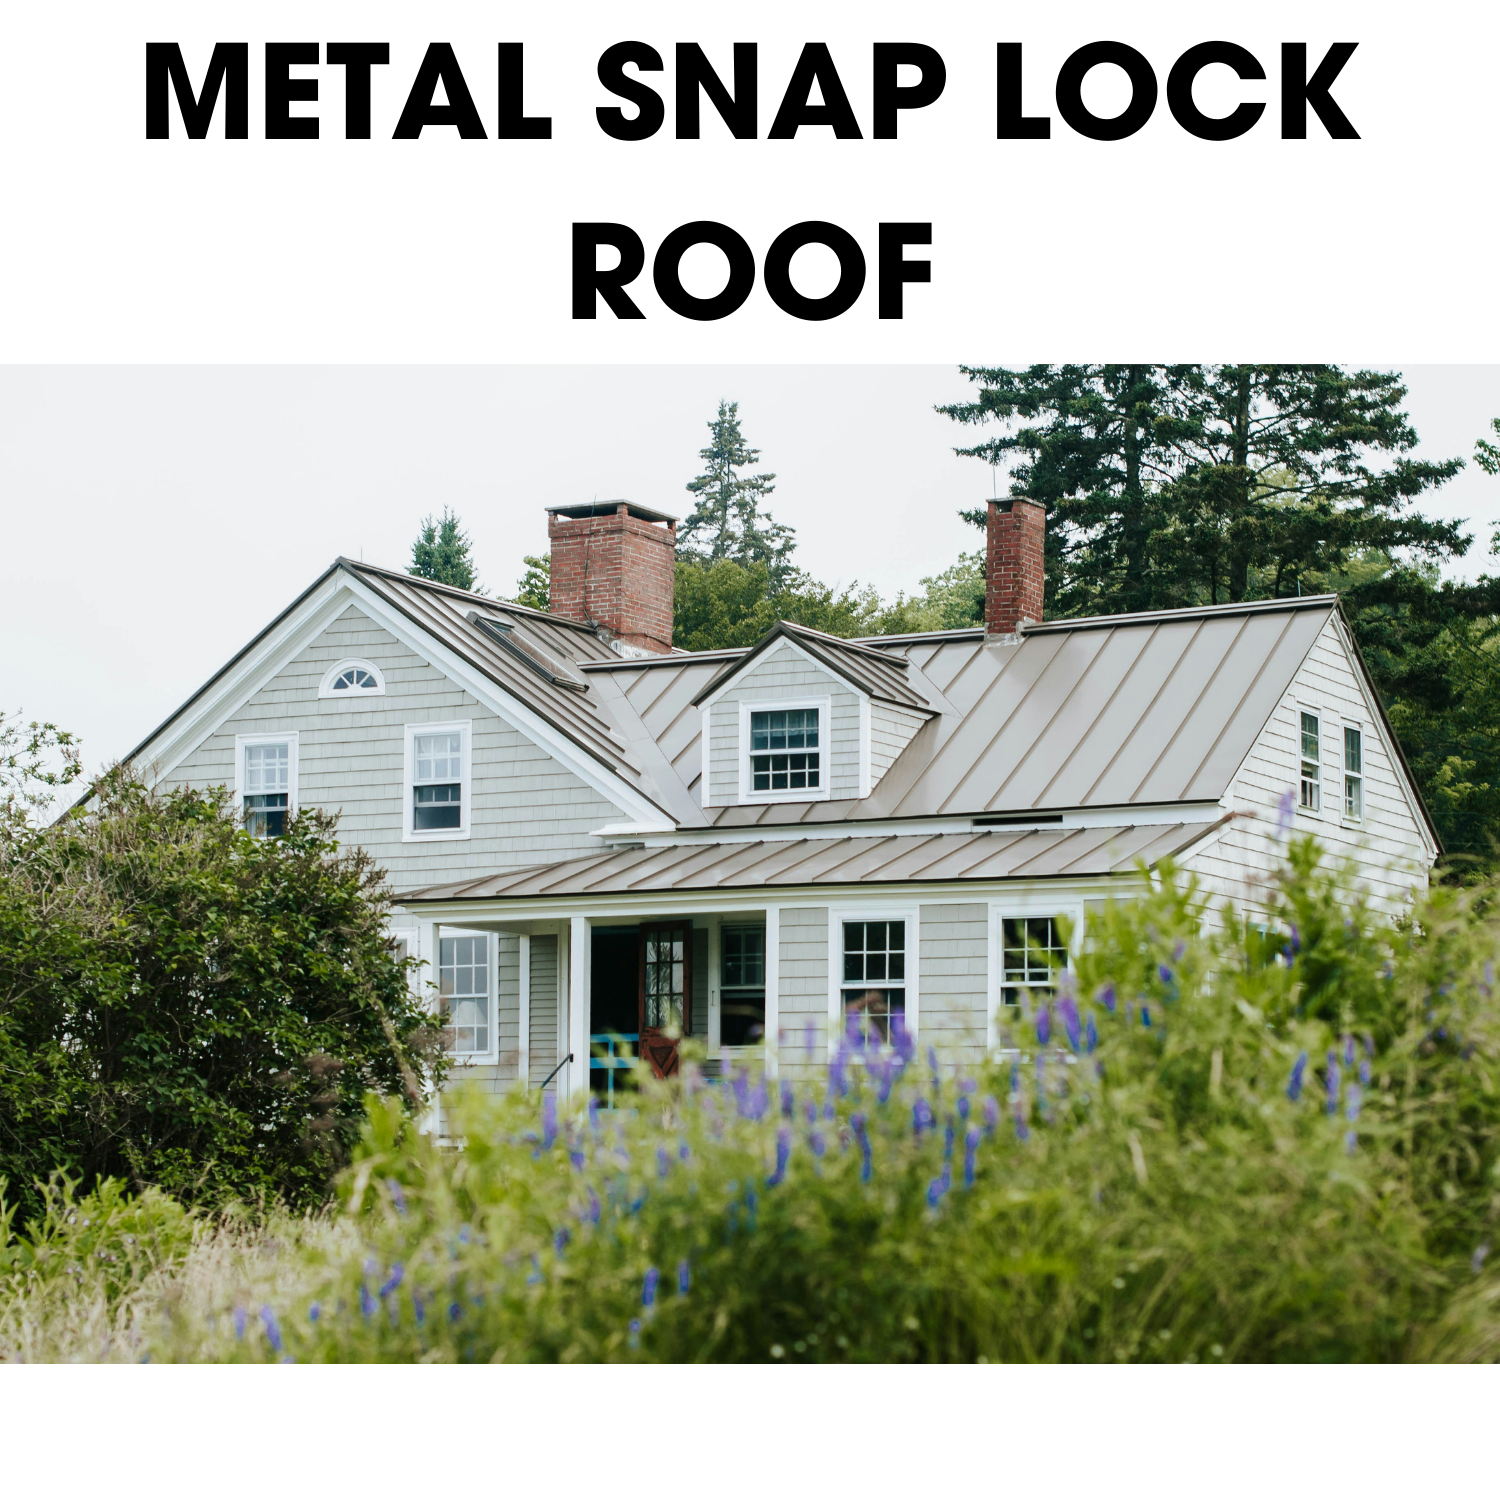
[[666, 992]]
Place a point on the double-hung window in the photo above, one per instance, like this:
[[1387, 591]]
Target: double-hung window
[[785, 753], [266, 777], [742, 984], [874, 984], [1354, 774], [464, 985], [1032, 950], [1310, 793], [437, 781]]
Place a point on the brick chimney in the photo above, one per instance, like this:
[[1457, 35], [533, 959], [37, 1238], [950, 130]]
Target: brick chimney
[[1015, 537], [612, 567]]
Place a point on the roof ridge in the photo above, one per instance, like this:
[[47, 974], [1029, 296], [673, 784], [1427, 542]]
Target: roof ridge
[[1187, 612], [432, 584]]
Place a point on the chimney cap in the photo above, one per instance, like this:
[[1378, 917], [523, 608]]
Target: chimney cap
[[609, 508]]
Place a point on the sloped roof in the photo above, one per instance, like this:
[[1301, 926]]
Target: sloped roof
[[1010, 854], [872, 669]]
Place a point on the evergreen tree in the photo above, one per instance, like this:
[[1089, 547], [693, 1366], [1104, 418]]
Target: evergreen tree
[[534, 589], [441, 553], [726, 521], [1167, 485]]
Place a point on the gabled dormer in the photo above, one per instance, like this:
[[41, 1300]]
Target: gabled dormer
[[805, 717]]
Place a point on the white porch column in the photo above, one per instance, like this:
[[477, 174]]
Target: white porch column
[[523, 1012], [773, 988], [577, 1071], [428, 934]]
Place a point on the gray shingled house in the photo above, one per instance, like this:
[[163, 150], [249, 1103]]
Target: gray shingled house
[[594, 835]]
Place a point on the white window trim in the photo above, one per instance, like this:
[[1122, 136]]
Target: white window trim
[[825, 750], [326, 688], [287, 737], [1301, 707], [837, 916], [491, 1055], [410, 835], [716, 1045], [1358, 727], [1019, 908]]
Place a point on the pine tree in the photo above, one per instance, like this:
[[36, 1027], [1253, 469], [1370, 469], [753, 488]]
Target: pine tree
[[441, 553], [534, 589], [727, 521]]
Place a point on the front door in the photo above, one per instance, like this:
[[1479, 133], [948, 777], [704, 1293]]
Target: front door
[[666, 992]]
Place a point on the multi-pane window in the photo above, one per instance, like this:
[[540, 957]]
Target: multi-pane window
[[1310, 794], [267, 788], [1032, 950], [874, 984], [437, 781], [356, 680], [1354, 773], [665, 977], [464, 984], [742, 985], [784, 754]]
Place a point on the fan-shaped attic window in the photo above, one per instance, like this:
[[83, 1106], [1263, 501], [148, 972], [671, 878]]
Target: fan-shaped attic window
[[352, 679]]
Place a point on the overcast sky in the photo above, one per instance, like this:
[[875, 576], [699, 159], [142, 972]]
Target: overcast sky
[[155, 519]]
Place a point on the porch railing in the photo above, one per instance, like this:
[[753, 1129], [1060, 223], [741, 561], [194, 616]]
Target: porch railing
[[608, 1055]]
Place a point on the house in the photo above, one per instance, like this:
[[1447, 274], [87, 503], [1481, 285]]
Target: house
[[594, 834]]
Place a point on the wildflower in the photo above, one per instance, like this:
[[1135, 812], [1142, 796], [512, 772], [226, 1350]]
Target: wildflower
[[759, 1100], [1294, 1083], [635, 1333], [1023, 1131], [1178, 951], [818, 1143], [1146, 1015], [239, 1322], [595, 1208], [810, 1109], [938, 1187], [455, 1311], [788, 1099], [1164, 973], [1293, 945], [648, 1287], [783, 1156], [886, 1074], [272, 1327], [366, 1302], [1015, 1078], [398, 1198], [1351, 1141], [560, 1241], [1090, 1034], [947, 1141], [594, 1115], [1334, 1077], [577, 1158], [1044, 1024], [683, 1151], [971, 1150], [902, 1040], [1348, 1051], [549, 1120], [684, 1278], [1285, 813], [393, 1280], [921, 1117], [750, 1202], [1364, 1071], [1353, 1098], [991, 1113], [1067, 1013], [1107, 997], [315, 1312], [663, 1161], [932, 1063], [963, 1106], [536, 1271], [1477, 1260], [837, 1079]]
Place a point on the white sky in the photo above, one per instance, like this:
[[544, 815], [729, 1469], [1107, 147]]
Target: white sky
[[155, 519]]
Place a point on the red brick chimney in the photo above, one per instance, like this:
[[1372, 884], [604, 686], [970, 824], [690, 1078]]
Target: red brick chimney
[[612, 567], [1015, 537]]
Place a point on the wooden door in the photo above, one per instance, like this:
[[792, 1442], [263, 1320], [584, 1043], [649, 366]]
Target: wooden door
[[666, 992]]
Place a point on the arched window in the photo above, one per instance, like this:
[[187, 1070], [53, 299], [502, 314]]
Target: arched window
[[352, 679]]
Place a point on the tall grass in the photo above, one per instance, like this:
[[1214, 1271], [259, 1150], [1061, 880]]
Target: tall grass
[[1237, 1144]]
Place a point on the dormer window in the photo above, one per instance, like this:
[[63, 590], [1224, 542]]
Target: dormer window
[[784, 752], [352, 679]]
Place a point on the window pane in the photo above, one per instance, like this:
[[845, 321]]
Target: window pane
[[1310, 737], [464, 985], [742, 1017], [438, 757], [1031, 951], [437, 807], [1353, 748], [267, 768], [1354, 797], [742, 956], [868, 1012], [265, 816]]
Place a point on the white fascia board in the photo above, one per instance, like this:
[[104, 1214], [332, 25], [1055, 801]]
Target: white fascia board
[[632, 830], [1019, 897], [515, 713], [807, 656]]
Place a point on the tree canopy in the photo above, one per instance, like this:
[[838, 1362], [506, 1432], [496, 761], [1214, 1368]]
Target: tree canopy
[[441, 553]]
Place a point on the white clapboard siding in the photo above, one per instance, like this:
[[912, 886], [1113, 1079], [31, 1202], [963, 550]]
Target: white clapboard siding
[[803, 991], [954, 1000], [891, 731], [1388, 844], [527, 809], [782, 673]]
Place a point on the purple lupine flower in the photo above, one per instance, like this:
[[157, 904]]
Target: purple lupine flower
[[595, 1208], [829, 1112], [902, 1040], [536, 1271], [366, 1301], [398, 1198], [560, 1241], [455, 1311], [272, 1328], [239, 1321], [1023, 1130], [921, 1117], [1351, 1141], [963, 1106], [947, 1141], [1348, 1050], [315, 1312], [1478, 1258], [971, 1150], [750, 1202], [932, 1063], [549, 1120], [1178, 951], [418, 1305], [1107, 997], [648, 1287], [1334, 1078], [837, 1081], [810, 1109], [1044, 1024], [684, 1278], [1285, 812], [760, 1100], [938, 1187], [1354, 1098], [818, 1143], [663, 1161], [1364, 1071], [1294, 1083], [1293, 945], [578, 1160], [788, 1099], [464, 1235], [392, 1281], [635, 1333], [1067, 1013], [783, 1156], [886, 1074], [1090, 1034], [857, 1124], [1164, 973], [1145, 1015], [1015, 1078], [991, 1113], [594, 1114], [683, 1151]]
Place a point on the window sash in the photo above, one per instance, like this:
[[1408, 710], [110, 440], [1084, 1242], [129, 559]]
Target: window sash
[[1310, 789], [464, 990], [785, 773], [873, 990], [1032, 951]]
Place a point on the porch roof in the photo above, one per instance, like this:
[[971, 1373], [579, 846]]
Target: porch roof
[[984, 855]]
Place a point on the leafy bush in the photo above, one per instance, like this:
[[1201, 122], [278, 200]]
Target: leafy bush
[[1207, 1145], [186, 1006]]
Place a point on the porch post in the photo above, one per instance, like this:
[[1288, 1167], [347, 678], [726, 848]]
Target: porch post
[[523, 1013], [428, 936], [773, 989], [578, 1007]]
